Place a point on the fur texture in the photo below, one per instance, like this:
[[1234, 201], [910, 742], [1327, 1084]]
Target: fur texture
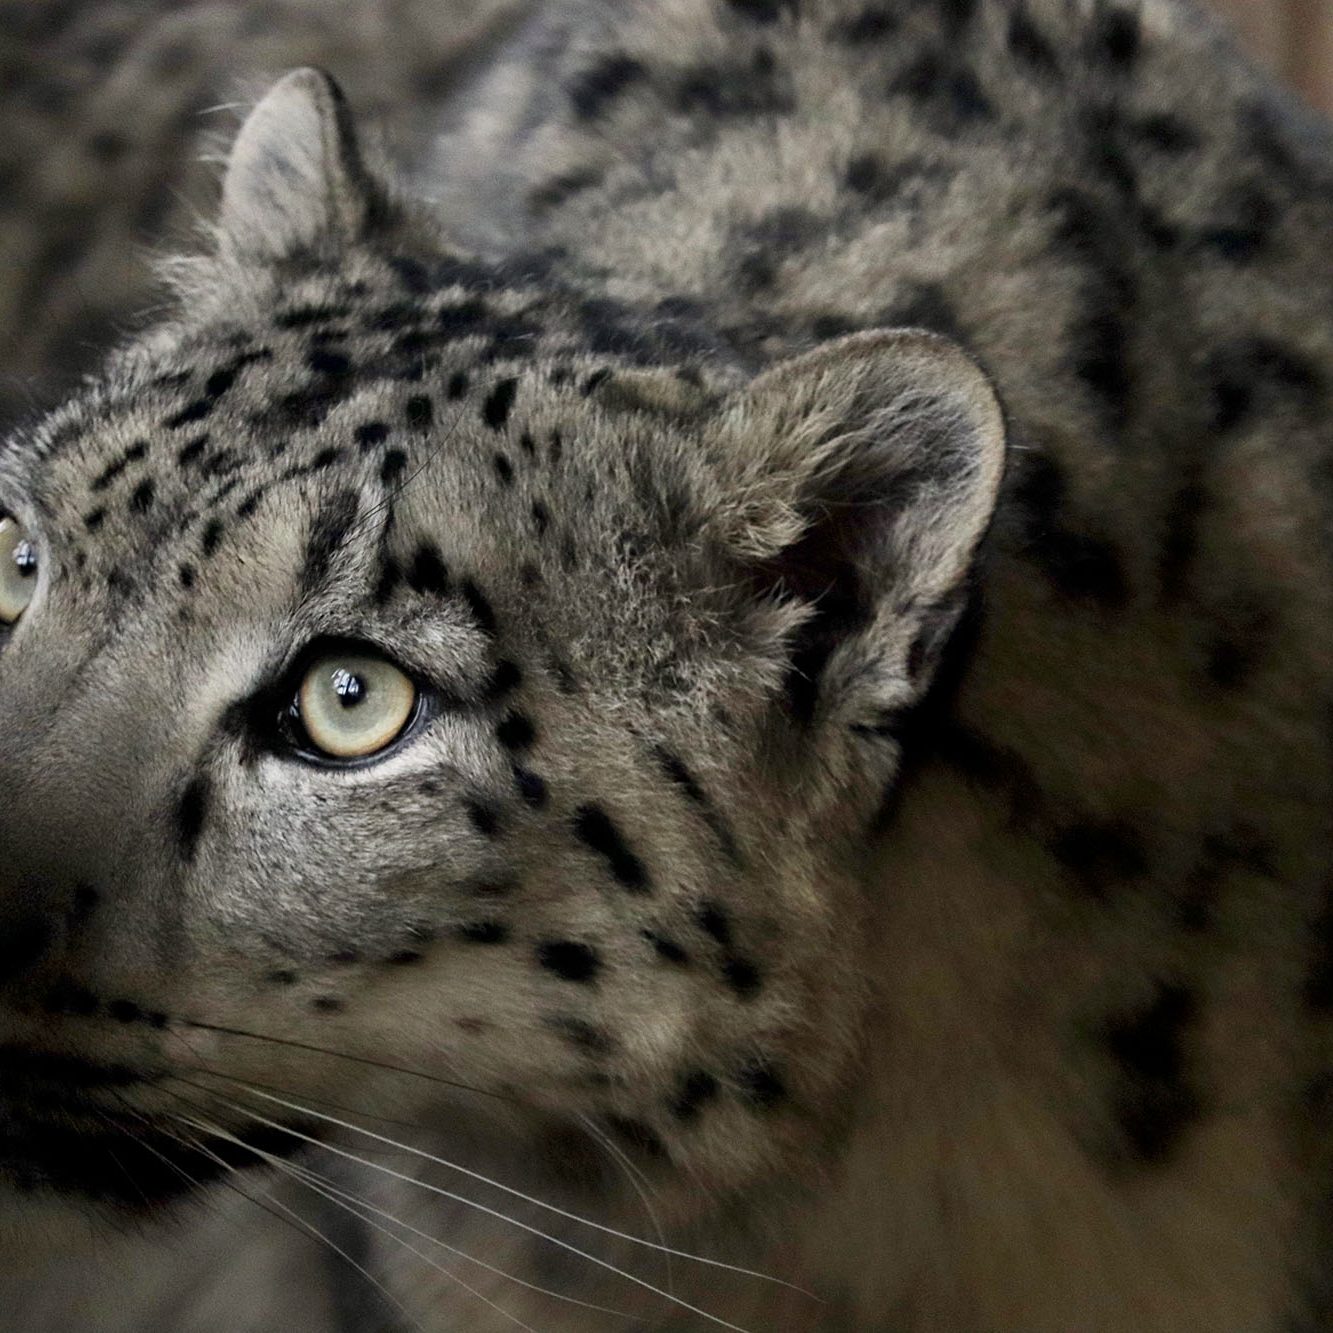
[[884, 835]]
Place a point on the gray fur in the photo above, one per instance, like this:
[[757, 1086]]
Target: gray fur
[[918, 874]]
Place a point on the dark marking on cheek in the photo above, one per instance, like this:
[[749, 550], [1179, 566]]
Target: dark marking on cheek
[[714, 922], [531, 788], [483, 817], [504, 469], [327, 1004], [457, 386], [761, 1085], [742, 976], [667, 949], [496, 408], [696, 1089], [405, 957], [589, 1038], [635, 1134], [596, 830], [483, 932], [190, 815], [570, 960], [281, 976], [675, 769]]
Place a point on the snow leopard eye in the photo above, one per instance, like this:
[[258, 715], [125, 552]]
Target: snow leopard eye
[[18, 570], [353, 703]]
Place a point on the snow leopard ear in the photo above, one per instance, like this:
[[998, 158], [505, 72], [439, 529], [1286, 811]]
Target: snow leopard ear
[[859, 479], [295, 178]]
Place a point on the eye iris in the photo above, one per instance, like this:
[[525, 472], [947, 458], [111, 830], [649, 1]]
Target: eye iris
[[18, 569], [352, 704]]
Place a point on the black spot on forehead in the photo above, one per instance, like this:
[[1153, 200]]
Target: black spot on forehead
[[872, 24], [596, 87], [481, 609], [1030, 46], [328, 532], [950, 94], [372, 433], [419, 412], [495, 410], [1115, 37], [427, 573]]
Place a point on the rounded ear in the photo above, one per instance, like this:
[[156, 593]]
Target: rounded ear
[[860, 478], [295, 177]]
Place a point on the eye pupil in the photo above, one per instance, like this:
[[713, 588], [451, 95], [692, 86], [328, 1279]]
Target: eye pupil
[[349, 687], [25, 557]]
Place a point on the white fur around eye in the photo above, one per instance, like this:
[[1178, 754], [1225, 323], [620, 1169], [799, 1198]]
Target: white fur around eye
[[18, 570], [354, 704]]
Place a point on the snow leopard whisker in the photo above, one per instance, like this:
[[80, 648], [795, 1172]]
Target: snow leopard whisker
[[455, 1197], [353, 1202], [310, 1180], [563, 1213], [388, 1066], [268, 1204], [284, 1211]]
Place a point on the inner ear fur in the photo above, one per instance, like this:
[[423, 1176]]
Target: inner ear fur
[[860, 479]]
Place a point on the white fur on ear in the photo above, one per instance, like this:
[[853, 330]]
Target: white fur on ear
[[295, 179], [882, 451]]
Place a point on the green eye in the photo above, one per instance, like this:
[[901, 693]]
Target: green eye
[[18, 570], [353, 704]]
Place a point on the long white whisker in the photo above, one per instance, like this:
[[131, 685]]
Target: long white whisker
[[457, 1198], [356, 1202], [638, 1183], [289, 1213], [309, 1179], [530, 1199]]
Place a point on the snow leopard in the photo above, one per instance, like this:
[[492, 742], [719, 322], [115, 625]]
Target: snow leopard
[[704, 702]]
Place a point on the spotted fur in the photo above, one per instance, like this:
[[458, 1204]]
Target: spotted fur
[[887, 829]]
